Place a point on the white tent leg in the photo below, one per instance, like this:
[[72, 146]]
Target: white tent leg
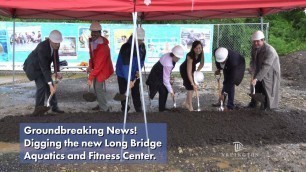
[[14, 32], [134, 39], [128, 84], [141, 85]]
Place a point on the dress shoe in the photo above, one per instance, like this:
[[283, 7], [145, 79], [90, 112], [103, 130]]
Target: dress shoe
[[123, 108], [164, 110], [35, 113], [226, 109], [57, 110], [185, 105], [218, 104], [263, 106], [252, 105], [138, 110], [109, 109], [96, 108]]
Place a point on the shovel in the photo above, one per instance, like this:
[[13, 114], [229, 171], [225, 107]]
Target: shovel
[[174, 101], [197, 94], [221, 108], [219, 90], [122, 97], [257, 96], [44, 109], [89, 97]]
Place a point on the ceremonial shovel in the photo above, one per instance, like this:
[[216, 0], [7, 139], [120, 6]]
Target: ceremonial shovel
[[44, 109], [89, 97], [257, 96], [122, 97]]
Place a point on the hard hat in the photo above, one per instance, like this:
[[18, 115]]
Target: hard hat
[[258, 35], [178, 51], [95, 26], [221, 54], [140, 33], [56, 36], [198, 77]]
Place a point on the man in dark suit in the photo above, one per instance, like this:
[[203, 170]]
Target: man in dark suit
[[233, 66], [38, 68]]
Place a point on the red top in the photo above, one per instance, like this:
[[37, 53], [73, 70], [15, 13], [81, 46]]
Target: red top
[[101, 63]]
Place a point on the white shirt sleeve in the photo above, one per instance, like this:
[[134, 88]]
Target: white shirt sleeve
[[166, 77]]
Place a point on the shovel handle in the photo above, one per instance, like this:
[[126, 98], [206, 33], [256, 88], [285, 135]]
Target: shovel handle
[[49, 99], [253, 89], [198, 99], [174, 101], [219, 91]]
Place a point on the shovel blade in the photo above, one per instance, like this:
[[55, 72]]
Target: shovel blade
[[42, 109], [119, 97], [89, 97], [258, 97]]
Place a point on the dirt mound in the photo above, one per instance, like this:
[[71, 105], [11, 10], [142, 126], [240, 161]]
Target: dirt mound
[[293, 69], [191, 129]]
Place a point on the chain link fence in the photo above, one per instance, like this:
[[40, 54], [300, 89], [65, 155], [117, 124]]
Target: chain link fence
[[237, 37]]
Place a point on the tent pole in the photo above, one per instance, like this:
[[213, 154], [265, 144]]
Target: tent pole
[[267, 32], [128, 82], [218, 35], [261, 23], [141, 86], [260, 14], [14, 42]]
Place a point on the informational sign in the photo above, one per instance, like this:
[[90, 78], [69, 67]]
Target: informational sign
[[159, 39]]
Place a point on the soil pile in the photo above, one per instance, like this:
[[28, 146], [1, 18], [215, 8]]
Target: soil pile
[[293, 69]]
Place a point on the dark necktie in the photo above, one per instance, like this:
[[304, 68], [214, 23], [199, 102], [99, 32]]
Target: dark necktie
[[55, 52]]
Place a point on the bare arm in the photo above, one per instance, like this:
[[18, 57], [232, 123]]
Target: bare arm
[[201, 63]]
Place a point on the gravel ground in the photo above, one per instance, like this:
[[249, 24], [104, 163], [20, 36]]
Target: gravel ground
[[197, 141]]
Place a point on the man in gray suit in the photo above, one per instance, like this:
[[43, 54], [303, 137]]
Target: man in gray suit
[[38, 68], [265, 70]]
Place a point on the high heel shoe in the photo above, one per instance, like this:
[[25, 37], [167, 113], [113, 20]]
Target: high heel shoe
[[185, 105]]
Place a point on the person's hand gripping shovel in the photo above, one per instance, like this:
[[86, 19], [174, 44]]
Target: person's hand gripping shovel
[[89, 96], [256, 96]]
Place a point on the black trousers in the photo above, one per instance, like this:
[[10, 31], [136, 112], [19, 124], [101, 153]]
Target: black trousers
[[135, 93], [42, 91], [163, 95], [229, 88]]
